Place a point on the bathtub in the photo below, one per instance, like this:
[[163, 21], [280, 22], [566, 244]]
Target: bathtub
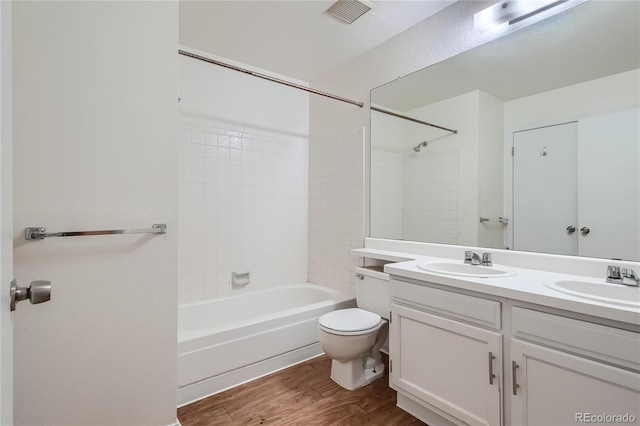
[[225, 342]]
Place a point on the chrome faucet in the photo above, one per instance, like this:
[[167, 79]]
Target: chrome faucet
[[613, 275], [473, 258], [617, 275], [630, 274]]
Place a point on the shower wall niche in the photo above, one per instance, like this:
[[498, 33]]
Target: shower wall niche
[[243, 182]]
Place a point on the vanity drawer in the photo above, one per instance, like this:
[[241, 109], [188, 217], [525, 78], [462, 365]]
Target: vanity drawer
[[608, 344], [471, 309]]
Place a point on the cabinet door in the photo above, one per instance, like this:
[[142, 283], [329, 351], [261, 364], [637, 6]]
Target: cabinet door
[[557, 388], [447, 365]]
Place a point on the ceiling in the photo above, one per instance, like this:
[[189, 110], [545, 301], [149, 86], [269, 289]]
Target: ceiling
[[299, 38]]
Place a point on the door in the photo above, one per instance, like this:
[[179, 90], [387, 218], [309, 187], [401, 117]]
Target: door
[[544, 189], [548, 388], [453, 367], [609, 185], [6, 223]]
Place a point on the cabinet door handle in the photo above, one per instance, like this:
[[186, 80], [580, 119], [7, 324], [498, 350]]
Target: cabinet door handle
[[514, 378], [491, 375]]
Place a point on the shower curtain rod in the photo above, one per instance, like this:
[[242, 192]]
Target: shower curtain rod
[[415, 120], [266, 77]]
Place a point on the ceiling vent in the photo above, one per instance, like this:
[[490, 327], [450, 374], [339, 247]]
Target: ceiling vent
[[350, 10]]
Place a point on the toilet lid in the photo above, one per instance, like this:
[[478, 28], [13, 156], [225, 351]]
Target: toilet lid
[[352, 319]]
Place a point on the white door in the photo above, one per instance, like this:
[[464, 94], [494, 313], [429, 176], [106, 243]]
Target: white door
[[453, 367], [6, 223], [609, 185], [549, 389], [544, 189]]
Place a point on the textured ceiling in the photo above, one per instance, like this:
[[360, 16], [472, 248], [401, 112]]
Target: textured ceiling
[[298, 39]]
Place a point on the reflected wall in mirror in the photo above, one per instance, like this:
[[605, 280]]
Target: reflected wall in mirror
[[547, 154]]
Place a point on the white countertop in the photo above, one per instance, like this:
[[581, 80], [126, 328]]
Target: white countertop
[[527, 285]]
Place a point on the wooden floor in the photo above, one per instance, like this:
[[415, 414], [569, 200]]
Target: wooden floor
[[300, 395]]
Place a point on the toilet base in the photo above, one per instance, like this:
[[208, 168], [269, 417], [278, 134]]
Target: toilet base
[[356, 373]]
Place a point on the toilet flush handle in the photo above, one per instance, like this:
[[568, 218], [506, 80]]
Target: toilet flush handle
[[360, 276]]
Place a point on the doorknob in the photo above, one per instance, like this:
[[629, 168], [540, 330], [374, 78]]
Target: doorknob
[[571, 229], [585, 230], [37, 292]]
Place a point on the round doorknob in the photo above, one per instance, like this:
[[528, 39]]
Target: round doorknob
[[571, 229], [585, 230], [37, 292]]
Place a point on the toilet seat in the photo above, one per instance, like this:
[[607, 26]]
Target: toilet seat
[[352, 321]]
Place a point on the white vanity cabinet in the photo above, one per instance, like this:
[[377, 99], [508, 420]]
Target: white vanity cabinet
[[452, 367], [473, 360], [568, 370]]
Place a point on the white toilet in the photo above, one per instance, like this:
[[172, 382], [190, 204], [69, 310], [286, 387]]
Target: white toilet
[[353, 337]]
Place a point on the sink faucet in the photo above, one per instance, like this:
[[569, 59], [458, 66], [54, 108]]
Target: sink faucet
[[617, 275], [630, 274], [473, 258]]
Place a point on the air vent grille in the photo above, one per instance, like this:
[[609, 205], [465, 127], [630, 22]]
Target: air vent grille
[[350, 10]]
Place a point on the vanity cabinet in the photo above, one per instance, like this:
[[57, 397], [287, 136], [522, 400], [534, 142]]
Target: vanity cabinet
[[567, 370], [455, 356], [452, 367]]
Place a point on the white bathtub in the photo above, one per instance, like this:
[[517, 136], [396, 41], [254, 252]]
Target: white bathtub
[[225, 342]]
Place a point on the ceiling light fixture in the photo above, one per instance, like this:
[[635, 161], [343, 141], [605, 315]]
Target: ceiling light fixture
[[350, 10], [511, 12]]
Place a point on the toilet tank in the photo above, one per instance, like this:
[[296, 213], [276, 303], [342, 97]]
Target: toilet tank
[[372, 290]]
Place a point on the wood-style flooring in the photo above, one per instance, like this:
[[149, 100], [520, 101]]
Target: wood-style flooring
[[300, 395]]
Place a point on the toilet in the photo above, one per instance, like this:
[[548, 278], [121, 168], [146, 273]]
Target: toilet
[[352, 337]]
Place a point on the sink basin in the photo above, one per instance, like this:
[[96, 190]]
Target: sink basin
[[598, 290], [466, 270]]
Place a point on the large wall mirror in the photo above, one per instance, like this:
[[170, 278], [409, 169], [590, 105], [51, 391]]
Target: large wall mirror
[[546, 157]]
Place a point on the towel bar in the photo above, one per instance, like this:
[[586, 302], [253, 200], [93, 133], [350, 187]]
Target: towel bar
[[40, 233]]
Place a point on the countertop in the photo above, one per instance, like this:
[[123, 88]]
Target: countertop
[[527, 285]]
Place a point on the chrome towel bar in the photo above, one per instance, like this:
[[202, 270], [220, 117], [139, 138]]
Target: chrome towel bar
[[501, 219], [40, 233]]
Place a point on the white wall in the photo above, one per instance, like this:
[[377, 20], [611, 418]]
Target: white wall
[[336, 206], [243, 181], [434, 39], [491, 174], [94, 138]]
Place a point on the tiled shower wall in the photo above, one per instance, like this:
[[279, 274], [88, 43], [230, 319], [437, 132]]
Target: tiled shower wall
[[431, 207], [243, 206]]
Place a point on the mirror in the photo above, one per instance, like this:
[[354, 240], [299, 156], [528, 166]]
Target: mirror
[[546, 157]]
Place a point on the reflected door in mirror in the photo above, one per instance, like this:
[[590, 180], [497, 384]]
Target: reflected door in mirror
[[609, 185], [545, 189], [577, 187]]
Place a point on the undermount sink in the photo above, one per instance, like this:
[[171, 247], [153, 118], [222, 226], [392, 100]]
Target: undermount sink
[[598, 290], [466, 270]]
